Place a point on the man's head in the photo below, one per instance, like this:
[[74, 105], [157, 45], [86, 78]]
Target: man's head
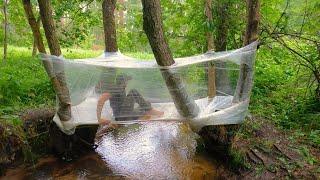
[[122, 80]]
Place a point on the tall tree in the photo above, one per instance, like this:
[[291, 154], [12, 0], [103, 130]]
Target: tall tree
[[152, 25], [35, 41], [5, 38], [222, 24], [245, 80], [211, 73], [35, 26], [57, 79], [49, 27], [221, 36], [121, 13], [220, 137], [208, 13], [109, 25]]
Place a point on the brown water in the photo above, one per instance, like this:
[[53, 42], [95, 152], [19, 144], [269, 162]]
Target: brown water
[[148, 151]]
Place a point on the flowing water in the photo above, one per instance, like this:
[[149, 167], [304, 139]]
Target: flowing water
[[153, 150]]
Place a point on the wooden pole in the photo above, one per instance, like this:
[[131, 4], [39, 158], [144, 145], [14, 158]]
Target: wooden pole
[[152, 25]]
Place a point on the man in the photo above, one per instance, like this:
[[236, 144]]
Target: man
[[122, 103]]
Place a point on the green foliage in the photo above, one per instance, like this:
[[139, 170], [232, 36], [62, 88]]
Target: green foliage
[[75, 19], [278, 95], [23, 81]]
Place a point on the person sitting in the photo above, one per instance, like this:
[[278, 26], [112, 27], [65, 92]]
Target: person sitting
[[122, 103]]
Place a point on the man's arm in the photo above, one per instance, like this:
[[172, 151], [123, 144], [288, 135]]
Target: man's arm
[[103, 98]]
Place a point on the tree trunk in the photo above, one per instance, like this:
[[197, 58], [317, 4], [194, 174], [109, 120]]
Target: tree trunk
[[152, 25], [317, 76], [5, 38], [218, 139], [34, 47], [110, 35], [208, 13], [58, 79], [121, 13], [222, 27], [245, 80], [35, 40], [65, 146], [211, 72], [49, 27], [35, 26]]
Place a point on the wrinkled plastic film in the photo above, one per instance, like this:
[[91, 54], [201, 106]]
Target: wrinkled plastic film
[[128, 90]]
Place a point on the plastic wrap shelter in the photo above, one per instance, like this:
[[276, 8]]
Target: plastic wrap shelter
[[126, 90]]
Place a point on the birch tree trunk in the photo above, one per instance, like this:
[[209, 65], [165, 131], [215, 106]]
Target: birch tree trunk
[[152, 25]]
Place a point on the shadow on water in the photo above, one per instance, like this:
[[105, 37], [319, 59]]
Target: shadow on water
[[152, 150]]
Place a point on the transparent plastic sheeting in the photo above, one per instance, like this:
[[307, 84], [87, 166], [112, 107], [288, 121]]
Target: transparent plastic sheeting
[[128, 90]]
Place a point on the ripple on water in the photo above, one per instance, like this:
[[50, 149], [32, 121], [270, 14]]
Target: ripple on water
[[154, 149]]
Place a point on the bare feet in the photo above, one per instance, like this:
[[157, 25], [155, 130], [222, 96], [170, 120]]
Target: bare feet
[[104, 121], [107, 122], [154, 112], [151, 114]]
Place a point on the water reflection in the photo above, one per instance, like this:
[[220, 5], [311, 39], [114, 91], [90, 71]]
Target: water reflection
[[150, 151], [163, 150]]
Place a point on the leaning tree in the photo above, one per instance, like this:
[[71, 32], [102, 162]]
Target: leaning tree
[[152, 25]]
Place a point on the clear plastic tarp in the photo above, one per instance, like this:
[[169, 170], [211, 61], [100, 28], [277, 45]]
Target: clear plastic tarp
[[120, 89]]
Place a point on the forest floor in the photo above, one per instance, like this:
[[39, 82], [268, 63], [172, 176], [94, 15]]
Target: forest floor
[[274, 153]]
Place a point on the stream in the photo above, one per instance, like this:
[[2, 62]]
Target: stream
[[153, 150]]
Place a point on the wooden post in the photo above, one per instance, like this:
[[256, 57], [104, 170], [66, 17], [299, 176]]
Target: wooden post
[[57, 79], [152, 25]]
